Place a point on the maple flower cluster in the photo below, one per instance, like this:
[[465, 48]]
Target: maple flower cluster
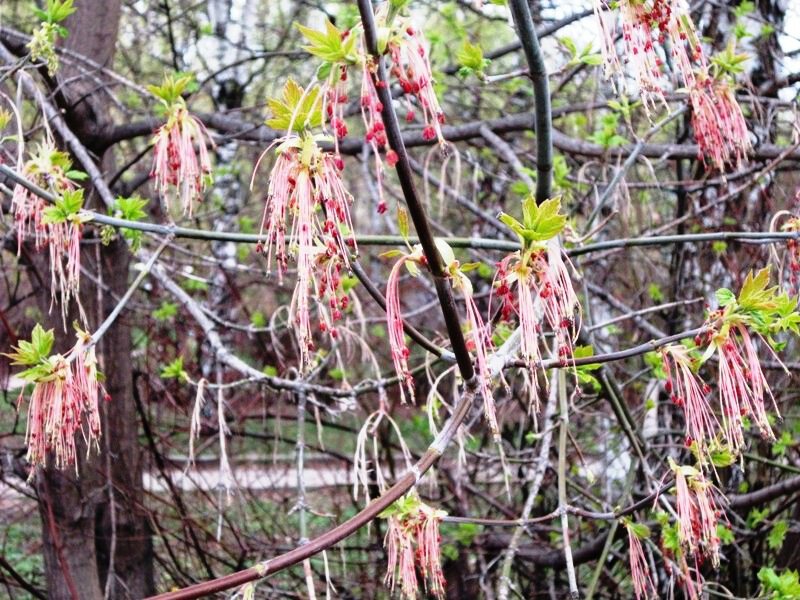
[[648, 28], [181, 163], [305, 184], [65, 397], [697, 514], [717, 437], [394, 319], [412, 541], [306, 188], [730, 334], [410, 67], [534, 282], [643, 585], [58, 226]]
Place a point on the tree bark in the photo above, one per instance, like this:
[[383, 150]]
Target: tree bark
[[85, 531]]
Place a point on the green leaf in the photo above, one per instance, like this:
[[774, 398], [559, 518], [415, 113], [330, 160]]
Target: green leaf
[[257, 319], [725, 535], [76, 175], [36, 351], [640, 530], [173, 87], [329, 45], [569, 45], [66, 207], [175, 370], [724, 296], [777, 534], [166, 311], [754, 293], [297, 108], [402, 221], [722, 457], [592, 59], [471, 59]]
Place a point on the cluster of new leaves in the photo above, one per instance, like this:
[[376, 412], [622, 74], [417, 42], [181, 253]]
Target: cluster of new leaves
[[43, 40]]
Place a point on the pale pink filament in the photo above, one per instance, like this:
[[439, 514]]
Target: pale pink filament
[[697, 516], [688, 392], [394, 324], [718, 123], [742, 387], [643, 584]]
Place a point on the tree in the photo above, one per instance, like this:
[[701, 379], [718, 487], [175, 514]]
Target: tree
[[574, 296]]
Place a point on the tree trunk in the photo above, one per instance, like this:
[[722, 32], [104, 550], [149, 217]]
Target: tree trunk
[[95, 521]]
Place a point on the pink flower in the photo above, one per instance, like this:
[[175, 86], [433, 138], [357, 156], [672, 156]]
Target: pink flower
[[480, 341], [742, 386], [647, 27], [394, 324], [306, 186], [64, 245], [375, 136], [303, 236], [643, 584], [697, 514], [718, 122], [176, 163], [53, 417], [429, 550], [64, 403], [687, 391], [412, 68], [47, 168], [28, 209], [412, 539], [541, 280], [559, 301], [334, 102], [399, 544]]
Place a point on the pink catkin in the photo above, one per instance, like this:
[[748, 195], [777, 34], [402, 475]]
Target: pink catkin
[[311, 193], [303, 235], [399, 544], [412, 540], [697, 516], [559, 301], [375, 135], [688, 392], [718, 123], [742, 387], [63, 405], [176, 163], [411, 67], [646, 28], [481, 340], [643, 585], [279, 194], [394, 324]]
